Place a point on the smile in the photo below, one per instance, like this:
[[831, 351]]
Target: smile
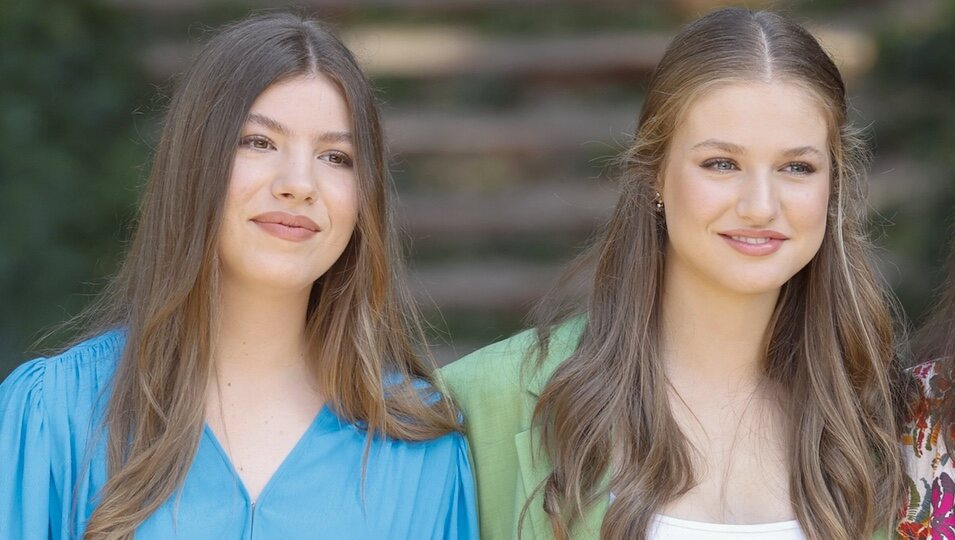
[[287, 226], [750, 240], [755, 243]]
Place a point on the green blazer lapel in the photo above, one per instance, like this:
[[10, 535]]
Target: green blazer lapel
[[533, 464], [533, 469]]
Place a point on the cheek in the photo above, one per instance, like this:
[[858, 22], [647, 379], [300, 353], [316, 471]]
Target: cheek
[[240, 191], [243, 182], [809, 210], [689, 198], [342, 200]]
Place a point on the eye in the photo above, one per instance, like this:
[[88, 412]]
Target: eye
[[256, 142], [720, 165], [799, 168], [337, 158]]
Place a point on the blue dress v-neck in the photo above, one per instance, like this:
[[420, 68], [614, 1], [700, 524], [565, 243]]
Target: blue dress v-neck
[[52, 459]]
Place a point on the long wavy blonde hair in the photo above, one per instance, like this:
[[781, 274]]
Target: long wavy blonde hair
[[830, 338], [361, 326]]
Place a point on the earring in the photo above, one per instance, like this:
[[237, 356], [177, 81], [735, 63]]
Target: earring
[[658, 201]]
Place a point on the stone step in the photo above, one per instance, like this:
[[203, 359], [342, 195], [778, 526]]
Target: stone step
[[486, 285], [324, 7], [535, 130], [552, 208], [438, 51], [444, 51]]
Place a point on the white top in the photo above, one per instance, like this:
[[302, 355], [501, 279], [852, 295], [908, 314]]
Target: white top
[[670, 528]]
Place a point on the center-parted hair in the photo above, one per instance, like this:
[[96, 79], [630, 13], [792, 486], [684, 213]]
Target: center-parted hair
[[830, 339], [364, 336]]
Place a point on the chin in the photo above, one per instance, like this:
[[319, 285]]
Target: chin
[[756, 289], [760, 276], [755, 284], [273, 276]]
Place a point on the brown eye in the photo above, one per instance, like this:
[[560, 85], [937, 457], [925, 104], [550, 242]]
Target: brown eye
[[256, 142], [337, 158]]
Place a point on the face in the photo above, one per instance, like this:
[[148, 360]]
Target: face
[[292, 202], [746, 187]]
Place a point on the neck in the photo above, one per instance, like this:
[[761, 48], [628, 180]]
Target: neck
[[260, 334], [711, 335]]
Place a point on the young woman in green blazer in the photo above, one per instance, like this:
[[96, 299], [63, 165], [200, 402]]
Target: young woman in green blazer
[[731, 370]]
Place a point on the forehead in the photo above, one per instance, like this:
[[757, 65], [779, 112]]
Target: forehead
[[755, 115], [311, 102]]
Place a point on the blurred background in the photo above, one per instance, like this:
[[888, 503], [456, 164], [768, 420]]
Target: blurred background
[[503, 118]]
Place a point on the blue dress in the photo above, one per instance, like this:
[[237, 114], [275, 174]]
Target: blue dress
[[53, 459]]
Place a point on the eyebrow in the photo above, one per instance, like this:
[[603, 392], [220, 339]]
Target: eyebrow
[[802, 151], [737, 149], [274, 125], [720, 145]]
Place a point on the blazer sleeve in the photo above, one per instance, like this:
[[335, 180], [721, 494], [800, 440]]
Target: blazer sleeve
[[25, 473]]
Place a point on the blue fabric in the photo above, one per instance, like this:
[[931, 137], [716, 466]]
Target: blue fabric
[[52, 460]]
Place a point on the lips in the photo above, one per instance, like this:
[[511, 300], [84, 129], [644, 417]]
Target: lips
[[754, 242], [287, 226]]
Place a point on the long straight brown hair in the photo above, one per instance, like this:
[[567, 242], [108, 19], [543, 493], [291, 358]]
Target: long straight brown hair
[[364, 335], [830, 338]]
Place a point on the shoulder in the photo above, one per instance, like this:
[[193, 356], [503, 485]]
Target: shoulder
[[502, 380], [445, 452], [931, 379], [928, 389], [930, 467], [493, 367], [923, 442], [488, 387], [66, 383], [502, 364], [87, 365]]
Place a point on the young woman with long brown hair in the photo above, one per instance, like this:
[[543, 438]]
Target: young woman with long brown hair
[[253, 370], [731, 371], [928, 436]]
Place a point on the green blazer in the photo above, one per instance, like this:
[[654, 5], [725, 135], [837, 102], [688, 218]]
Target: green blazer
[[497, 396]]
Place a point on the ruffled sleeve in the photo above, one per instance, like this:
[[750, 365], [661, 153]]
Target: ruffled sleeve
[[462, 520], [25, 474]]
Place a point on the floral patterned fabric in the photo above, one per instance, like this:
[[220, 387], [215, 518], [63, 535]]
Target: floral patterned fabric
[[931, 510]]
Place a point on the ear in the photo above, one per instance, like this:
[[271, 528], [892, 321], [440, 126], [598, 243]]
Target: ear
[[660, 179]]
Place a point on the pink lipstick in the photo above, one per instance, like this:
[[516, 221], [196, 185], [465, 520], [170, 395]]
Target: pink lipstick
[[287, 226], [754, 242]]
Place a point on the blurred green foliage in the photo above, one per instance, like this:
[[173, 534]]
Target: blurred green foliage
[[70, 159], [914, 85], [559, 19]]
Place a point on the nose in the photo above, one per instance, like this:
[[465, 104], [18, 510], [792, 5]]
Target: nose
[[296, 179], [758, 202]]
